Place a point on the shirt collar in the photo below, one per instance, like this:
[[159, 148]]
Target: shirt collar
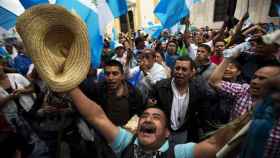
[[164, 147], [174, 88]]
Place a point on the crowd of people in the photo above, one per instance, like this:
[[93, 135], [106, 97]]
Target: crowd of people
[[171, 92]]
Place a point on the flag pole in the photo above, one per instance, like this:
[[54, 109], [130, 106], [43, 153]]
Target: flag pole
[[129, 31], [248, 4]]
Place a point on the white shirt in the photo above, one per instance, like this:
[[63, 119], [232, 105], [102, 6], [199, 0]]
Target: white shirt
[[122, 59], [26, 101], [193, 49], [156, 73], [19, 82], [179, 108]]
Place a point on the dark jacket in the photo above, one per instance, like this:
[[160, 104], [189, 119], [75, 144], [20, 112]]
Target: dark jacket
[[98, 93], [199, 103], [251, 63]]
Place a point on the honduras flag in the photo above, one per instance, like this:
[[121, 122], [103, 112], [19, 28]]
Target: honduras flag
[[96, 14], [10, 9], [169, 12]]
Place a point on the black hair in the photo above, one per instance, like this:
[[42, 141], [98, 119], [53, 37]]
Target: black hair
[[161, 54], [236, 64], [138, 40], [220, 40], [157, 106], [173, 41], [187, 58], [115, 63], [106, 44], [239, 38], [205, 46]]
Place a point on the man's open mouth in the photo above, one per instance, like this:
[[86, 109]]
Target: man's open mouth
[[148, 128]]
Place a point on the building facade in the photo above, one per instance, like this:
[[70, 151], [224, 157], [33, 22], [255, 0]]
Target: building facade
[[207, 13], [211, 12]]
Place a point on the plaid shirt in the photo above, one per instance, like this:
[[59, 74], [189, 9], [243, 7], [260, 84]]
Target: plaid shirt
[[243, 102]]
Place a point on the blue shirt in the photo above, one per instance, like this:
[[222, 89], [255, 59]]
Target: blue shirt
[[22, 63], [124, 137], [170, 60]]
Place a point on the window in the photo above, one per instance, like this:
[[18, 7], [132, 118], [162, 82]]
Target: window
[[274, 10], [124, 23], [220, 11]]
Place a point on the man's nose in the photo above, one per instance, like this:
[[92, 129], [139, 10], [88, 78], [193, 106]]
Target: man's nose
[[110, 76], [148, 119]]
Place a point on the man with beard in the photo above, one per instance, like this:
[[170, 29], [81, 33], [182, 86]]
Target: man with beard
[[151, 135], [185, 100], [245, 96]]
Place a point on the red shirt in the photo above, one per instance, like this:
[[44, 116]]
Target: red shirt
[[216, 59]]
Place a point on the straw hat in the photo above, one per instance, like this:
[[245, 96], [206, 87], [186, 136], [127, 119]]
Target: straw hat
[[57, 42]]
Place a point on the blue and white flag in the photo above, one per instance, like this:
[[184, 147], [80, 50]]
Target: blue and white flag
[[114, 39], [197, 1], [169, 12], [151, 29], [10, 9], [29, 3], [96, 14], [190, 3]]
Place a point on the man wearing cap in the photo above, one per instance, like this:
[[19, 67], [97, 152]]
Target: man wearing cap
[[151, 135], [120, 54], [139, 46]]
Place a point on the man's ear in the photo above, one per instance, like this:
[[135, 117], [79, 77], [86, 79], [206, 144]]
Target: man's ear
[[167, 133], [193, 72]]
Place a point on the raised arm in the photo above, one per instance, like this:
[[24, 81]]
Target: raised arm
[[220, 33], [94, 114], [209, 147], [229, 54], [217, 76], [238, 27]]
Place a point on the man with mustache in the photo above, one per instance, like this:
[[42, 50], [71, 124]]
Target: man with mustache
[[151, 135]]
